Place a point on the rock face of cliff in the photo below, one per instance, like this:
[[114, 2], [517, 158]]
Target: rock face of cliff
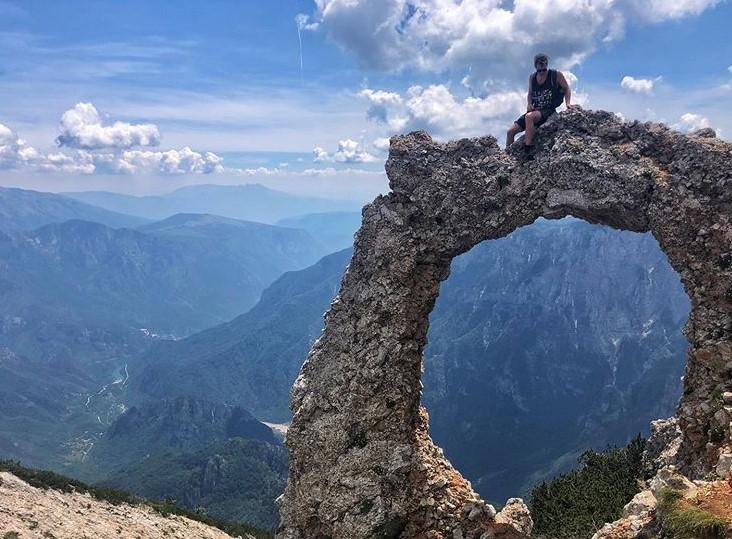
[[362, 461]]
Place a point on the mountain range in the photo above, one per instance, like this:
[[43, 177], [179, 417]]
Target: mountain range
[[81, 301], [22, 209], [251, 202]]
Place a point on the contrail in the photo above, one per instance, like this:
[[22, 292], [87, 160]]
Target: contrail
[[298, 22]]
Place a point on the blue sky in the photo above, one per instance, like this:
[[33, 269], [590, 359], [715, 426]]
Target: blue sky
[[109, 95]]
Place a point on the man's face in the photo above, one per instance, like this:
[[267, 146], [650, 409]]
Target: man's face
[[541, 65]]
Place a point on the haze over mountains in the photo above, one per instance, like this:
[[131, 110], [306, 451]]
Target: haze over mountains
[[21, 209], [564, 328], [252, 202], [125, 352]]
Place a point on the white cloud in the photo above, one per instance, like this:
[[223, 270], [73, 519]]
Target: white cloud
[[183, 161], [729, 69], [381, 144], [435, 109], [108, 153], [380, 102], [82, 128], [639, 86], [487, 37], [692, 122], [349, 151], [10, 148]]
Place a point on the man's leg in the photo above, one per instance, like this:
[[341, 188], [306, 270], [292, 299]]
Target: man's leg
[[531, 119], [514, 130]]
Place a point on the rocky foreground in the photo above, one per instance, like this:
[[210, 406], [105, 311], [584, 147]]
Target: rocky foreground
[[28, 512]]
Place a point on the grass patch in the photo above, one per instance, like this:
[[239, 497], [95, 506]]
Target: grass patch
[[50, 480], [578, 503], [680, 520]]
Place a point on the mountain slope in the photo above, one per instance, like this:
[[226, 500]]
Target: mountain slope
[[335, 230], [22, 209], [234, 480], [182, 425], [179, 276], [200, 453], [42, 504], [560, 337], [252, 202], [79, 302], [254, 358]]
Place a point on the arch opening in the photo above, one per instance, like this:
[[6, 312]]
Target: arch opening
[[560, 337]]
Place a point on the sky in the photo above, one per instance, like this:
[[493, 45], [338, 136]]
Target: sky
[[146, 96]]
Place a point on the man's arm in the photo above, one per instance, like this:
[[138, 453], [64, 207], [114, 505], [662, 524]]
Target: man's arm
[[565, 86], [529, 106]]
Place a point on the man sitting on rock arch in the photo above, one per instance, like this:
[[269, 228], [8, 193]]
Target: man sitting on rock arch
[[547, 89]]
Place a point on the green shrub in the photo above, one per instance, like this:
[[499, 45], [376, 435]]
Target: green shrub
[[680, 521], [578, 503], [50, 480]]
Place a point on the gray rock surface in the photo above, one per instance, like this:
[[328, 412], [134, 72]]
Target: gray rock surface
[[362, 461]]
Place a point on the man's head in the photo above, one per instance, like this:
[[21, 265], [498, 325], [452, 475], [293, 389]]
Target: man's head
[[541, 62]]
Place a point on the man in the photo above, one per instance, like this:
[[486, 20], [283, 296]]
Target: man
[[547, 87]]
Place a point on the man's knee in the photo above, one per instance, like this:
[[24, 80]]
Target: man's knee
[[533, 117], [514, 128]]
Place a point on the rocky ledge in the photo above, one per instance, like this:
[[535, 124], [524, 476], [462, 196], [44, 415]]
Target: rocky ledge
[[362, 464], [35, 513]]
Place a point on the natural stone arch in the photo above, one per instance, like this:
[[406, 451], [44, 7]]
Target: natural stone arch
[[362, 463]]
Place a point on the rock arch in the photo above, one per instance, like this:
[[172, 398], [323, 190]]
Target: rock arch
[[362, 463]]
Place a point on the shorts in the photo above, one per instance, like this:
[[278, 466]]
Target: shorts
[[545, 114]]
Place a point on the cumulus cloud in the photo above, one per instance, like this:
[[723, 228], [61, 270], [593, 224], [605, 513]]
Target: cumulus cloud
[[381, 144], [436, 109], [692, 122], [486, 36], [10, 148], [639, 86], [98, 149], [349, 151], [183, 161], [82, 128], [380, 102]]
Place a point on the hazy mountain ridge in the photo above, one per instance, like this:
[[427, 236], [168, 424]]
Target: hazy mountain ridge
[[252, 202], [335, 229], [264, 346], [23, 209]]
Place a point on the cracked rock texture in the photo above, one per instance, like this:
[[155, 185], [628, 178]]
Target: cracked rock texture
[[362, 464]]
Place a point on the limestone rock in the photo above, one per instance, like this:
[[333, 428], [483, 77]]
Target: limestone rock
[[35, 513], [362, 461], [662, 446], [516, 514], [668, 477], [724, 466]]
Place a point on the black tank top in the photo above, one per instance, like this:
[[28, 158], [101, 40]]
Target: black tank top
[[542, 95]]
